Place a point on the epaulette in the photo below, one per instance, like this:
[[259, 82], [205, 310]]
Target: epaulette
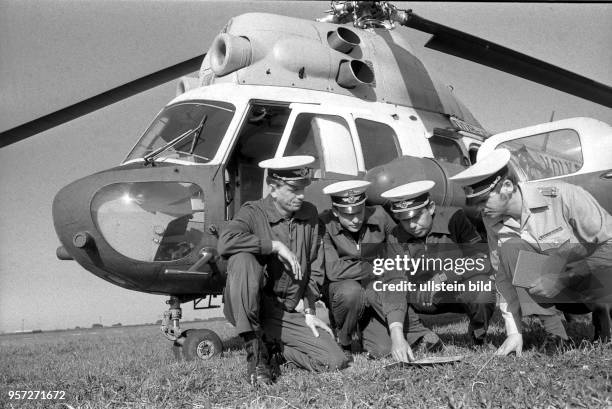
[[551, 191]]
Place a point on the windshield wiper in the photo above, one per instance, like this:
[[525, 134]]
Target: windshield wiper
[[149, 158]]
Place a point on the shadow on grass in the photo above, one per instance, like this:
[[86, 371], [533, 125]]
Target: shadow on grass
[[234, 343]]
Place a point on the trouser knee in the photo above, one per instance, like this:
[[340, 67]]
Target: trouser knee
[[244, 269], [347, 293], [244, 262]]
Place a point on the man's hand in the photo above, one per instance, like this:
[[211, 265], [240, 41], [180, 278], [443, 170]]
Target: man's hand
[[549, 286], [513, 343], [289, 259], [313, 322], [400, 349], [553, 278]]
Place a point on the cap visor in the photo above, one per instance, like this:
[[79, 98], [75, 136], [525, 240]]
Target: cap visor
[[473, 201], [298, 183], [350, 209], [409, 214]]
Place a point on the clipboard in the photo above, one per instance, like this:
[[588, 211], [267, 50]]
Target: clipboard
[[530, 266], [427, 361]]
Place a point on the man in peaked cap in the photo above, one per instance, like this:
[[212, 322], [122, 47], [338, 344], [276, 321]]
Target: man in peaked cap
[[273, 248], [356, 235], [552, 218], [451, 267]]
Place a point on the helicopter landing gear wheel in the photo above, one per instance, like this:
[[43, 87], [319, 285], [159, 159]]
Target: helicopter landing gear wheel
[[201, 344], [177, 351]]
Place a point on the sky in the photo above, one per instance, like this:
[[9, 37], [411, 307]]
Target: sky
[[78, 50]]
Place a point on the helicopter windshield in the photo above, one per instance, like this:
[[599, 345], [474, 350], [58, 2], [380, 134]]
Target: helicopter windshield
[[203, 123]]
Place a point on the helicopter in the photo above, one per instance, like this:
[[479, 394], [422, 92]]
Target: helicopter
[[266, 89]]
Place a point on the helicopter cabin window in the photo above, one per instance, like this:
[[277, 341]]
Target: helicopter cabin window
[[447, 150], [328, 139], [550, 154], [188, 131], [258, 140], [378, 142]]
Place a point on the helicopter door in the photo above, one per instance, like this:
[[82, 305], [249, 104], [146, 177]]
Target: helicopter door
[[326, 135], [574, 150], [257, 140], [329, 136]]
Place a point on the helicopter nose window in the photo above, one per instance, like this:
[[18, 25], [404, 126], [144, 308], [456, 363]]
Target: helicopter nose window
[[207, 120], [150, 221]]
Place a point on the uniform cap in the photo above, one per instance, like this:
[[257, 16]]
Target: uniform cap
[[292, 170], [480, 178], [348, 196], [407, 200]]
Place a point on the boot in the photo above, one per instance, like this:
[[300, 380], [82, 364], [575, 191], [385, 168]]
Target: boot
[[347, 350], [554, 344], [258, 361], [429, 343], [478, 336]]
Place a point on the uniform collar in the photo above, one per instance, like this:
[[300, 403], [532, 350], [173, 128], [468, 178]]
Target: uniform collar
[[532, 199], [440, 223], [274, 215]]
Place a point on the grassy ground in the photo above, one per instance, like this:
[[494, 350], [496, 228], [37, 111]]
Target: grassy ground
[[133, 367]]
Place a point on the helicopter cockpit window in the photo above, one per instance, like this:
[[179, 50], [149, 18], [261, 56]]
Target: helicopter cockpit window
[[328, 139], [447, 150], [207, 120], [555, 153], [150, 221], [378, 142]]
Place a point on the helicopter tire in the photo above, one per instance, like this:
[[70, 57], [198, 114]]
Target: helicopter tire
[[201, 344], [177, 352]]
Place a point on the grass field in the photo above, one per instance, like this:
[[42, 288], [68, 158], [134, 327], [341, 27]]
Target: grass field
[[133, 367]]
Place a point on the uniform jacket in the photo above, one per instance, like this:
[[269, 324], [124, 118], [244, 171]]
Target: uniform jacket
[[253, 229], [347, 259], [553, 214], [452, 236], [556, 217]]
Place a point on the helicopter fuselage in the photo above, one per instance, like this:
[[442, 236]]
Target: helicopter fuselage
[[143, 225]]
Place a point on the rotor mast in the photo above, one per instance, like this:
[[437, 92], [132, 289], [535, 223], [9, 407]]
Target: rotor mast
[[382, 14]]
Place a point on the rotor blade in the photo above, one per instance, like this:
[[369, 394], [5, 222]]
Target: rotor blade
[[99, 101], [469, 47]]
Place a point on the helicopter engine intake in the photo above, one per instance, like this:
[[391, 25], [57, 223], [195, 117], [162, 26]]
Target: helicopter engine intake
[[186, 83], [229, 53], [353, 73], [343, 40]]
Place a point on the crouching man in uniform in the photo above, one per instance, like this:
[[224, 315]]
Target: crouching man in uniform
[[552, 218], [355, 235], [272, 245], [447, 251]]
